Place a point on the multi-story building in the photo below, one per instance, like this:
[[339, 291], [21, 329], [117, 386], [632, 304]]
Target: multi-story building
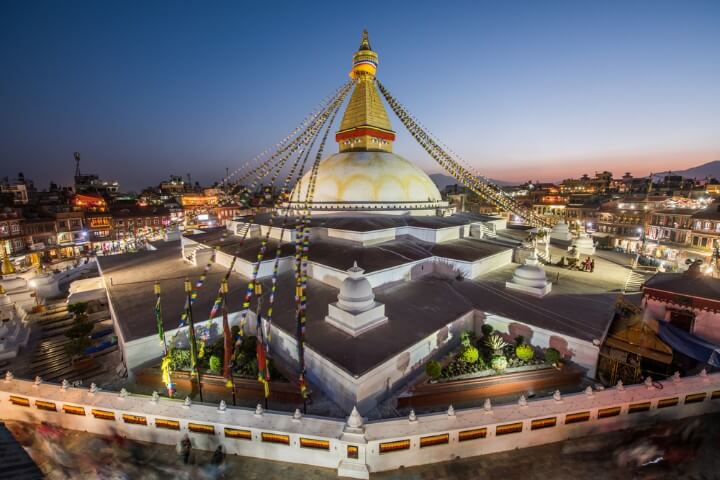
[[132, 223], [11, 237], [72, 238], [705, 233], [40, 239]]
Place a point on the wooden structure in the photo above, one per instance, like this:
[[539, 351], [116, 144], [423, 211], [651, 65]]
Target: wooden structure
[[456, 392], [632, 348]]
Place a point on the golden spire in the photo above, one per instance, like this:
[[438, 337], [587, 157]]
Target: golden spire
[[365, 125]]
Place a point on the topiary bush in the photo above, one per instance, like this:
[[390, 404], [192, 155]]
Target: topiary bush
[[215, 364], [499, 363], [433, 369], [524, 352], [470, 355], [487, 330], [552, 356]]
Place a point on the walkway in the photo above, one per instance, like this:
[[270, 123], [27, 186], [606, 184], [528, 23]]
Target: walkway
[[690, 445]]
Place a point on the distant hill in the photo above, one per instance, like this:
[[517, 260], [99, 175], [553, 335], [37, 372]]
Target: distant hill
[[709, 169], [441, 181]]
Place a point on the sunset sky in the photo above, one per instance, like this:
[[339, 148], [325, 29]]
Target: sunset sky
[[521, 90]]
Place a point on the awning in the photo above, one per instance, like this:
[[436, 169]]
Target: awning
[[690, 345]]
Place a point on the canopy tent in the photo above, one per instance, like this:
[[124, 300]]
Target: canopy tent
[[690, 345]]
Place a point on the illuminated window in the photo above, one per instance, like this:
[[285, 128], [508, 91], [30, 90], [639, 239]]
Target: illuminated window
[[639, 407], [509, 428], [609, 412], [695, 398], [434, 440], [543, 423], [134, 419], [388, 447], [352, 452], [314, 443], [73, 410], [472, 434], [103, 414], [47, 406], [19, 401], [275, 438], [167, 424], [201, 428], [577, 417], [668, 402], [235, 433]]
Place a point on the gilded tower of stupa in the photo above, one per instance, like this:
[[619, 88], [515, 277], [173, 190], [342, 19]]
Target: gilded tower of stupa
[[365, 125], [365, 176]]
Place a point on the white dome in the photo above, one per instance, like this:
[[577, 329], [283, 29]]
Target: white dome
[[584, 241], [561, 227], [363, 177], [531, 274], [356, 293]]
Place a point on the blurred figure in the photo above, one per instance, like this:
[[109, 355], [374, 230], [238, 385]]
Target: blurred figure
[[184, 449]]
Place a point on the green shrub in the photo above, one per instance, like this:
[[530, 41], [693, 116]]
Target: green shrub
[[180, 359], [524, 352], [433, 369], [470, 355], [77, 308], [499, 363], [215, 364], [487, 330], [466, 338], [552, 356]]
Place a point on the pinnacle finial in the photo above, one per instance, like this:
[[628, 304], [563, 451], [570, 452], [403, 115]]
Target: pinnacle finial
[[365, 41]]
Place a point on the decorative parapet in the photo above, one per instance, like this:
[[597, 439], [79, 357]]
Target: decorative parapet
[[358, 449]]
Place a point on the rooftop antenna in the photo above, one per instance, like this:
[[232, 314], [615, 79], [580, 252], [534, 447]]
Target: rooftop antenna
[[77, 163]]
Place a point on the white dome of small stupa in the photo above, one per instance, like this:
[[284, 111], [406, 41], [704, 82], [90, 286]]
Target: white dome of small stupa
[[356, 293], [531, 273]]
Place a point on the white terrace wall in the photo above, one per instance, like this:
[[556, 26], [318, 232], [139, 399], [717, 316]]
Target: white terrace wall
[[377, 446], [581, 352]]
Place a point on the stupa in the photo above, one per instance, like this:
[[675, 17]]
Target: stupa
[[356, 310], [14, 330], [584, 244], [561, 233], [428, 273], [365, 176], [530, 278]]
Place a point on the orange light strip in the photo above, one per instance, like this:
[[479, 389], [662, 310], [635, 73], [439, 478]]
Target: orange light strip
[[394, 446], [168, 424], [695, 398], [201, 428], [313, 443], [275, 438], [472, 434], [134, 419], [19, 401], [433, 440], [103, 414], [508, 428], [234, 433]]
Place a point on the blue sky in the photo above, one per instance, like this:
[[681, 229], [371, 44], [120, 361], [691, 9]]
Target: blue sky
[[522, 90]]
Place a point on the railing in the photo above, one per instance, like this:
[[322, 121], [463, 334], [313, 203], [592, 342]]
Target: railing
[[357, 448]]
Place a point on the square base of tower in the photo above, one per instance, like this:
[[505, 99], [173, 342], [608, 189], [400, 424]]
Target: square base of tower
[[534, 291], [356, 323]]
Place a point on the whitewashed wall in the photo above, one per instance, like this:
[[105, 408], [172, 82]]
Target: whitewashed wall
[[679, 398]]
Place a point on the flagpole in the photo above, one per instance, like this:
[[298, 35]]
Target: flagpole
[[260, 343], [159, 318], [194, 371], [228, 341]]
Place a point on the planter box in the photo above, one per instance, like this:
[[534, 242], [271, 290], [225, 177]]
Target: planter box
[[464, 390], [245, 388]]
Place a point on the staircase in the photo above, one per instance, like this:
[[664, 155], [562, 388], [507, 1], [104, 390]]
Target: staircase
[[634, 282], [544, 259]]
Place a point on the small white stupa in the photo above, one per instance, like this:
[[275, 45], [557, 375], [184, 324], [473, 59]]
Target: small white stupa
[[530, 278], [356, 310], [584, 244], [561, 232], [14, 330]]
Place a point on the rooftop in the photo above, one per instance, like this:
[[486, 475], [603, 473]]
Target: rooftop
[[580, 305], [701, 286]]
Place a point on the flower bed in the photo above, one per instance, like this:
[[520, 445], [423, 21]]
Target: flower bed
[[491, 355]]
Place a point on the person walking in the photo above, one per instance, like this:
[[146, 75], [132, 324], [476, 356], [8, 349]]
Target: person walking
[[592, 265], [185, 448]]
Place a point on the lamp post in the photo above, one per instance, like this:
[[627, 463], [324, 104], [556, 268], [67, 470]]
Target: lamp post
[[194, 371]]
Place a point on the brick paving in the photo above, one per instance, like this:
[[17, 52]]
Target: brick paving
[[88, 456]]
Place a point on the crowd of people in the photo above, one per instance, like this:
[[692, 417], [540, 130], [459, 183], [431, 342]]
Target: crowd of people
[[63, 454]]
